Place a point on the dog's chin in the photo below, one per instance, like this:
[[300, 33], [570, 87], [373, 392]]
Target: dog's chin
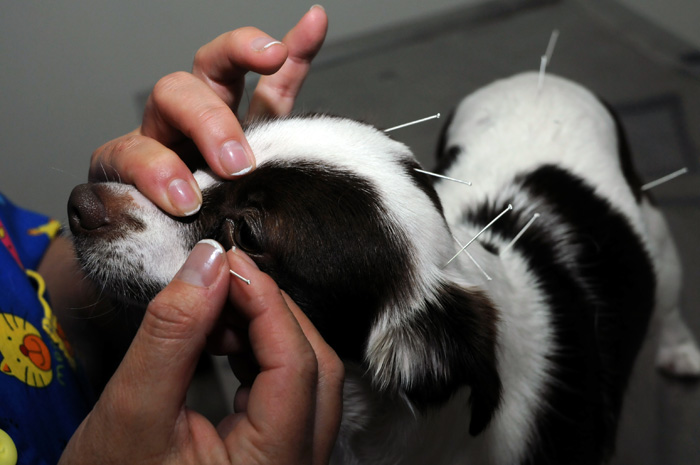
[[129, 295], [119, 283]]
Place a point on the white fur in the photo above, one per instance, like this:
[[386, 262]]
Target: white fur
[[367, 152], [513, 117], [507, 128]]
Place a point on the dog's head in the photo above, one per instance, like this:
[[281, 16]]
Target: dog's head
[[337, 215]]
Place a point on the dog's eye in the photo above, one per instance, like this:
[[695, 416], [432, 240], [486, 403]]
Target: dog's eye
[[241, 234], [245, 237]]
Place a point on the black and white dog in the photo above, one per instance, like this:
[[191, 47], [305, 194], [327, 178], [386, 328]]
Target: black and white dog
[[511, 353]]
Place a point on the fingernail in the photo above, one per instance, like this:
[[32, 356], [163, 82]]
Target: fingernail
[[234, 159], [203, 264], [263, 43], [248, 264], [318, 6], [184, 197], [244, 257]]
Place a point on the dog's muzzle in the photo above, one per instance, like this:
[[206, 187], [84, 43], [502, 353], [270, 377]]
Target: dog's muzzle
[[86, 210], [98, 210]]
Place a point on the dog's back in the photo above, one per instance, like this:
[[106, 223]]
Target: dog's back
[[583, 274], [522, 123]]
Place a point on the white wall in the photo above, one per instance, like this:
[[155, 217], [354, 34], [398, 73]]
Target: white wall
[[71, 71], [681, 17]]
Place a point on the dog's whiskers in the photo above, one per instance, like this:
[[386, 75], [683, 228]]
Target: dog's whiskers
[[59, 170], [104, 171], [116, 178], [509, 208]]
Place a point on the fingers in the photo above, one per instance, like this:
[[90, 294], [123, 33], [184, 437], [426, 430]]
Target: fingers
[[141, 415], [181, 105], [279, 409], [276, 93], [289, 358], [223, 62], [150, 385], [154, 169], [329, 392], [201, 107]]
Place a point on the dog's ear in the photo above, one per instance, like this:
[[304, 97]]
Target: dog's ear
[[431, 352]]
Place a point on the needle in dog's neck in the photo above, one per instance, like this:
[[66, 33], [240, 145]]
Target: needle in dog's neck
[[519, 235], [442, 176], [437, 116], [400, 126], [664, 179], [547, 57], [509, 208], [488, 278]]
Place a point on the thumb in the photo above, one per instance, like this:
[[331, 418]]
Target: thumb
[[152, 380]]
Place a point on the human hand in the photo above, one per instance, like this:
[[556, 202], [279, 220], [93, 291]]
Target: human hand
[[201, 106], [289, 415]]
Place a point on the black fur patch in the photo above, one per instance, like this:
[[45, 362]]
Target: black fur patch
[[445, 161], [454, 341], [323, 235], [601, 299], [443, 155], [424, 182]]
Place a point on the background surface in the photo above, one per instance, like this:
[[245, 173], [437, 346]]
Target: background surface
[[76, 74]]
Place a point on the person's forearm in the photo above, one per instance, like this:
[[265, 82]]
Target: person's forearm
[[65, 281], [98, 331]]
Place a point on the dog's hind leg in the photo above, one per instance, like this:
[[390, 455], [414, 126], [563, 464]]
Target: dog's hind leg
[[678, 353]]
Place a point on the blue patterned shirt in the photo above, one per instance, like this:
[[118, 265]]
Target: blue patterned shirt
[[43, 396]]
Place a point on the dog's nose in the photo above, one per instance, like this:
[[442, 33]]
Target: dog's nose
[[86, 212]]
